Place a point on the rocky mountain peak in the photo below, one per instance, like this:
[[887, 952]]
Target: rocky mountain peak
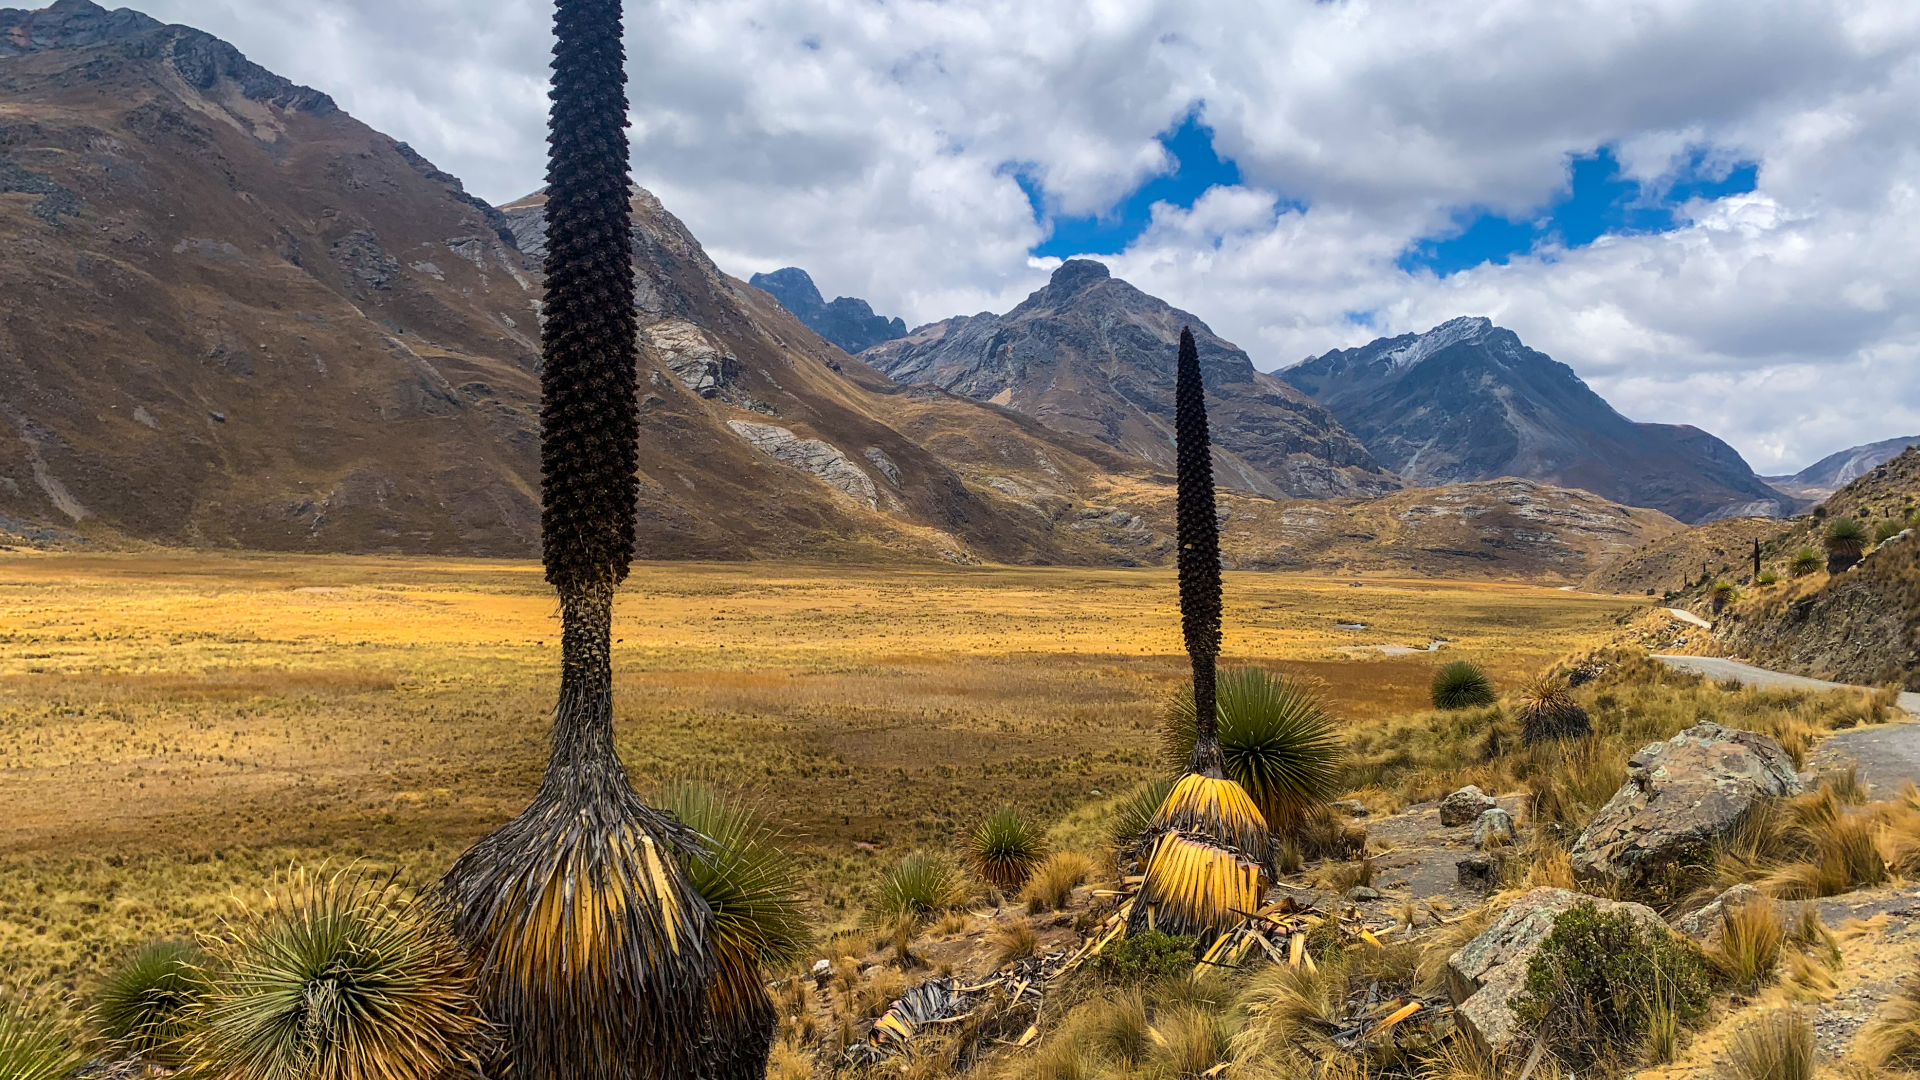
[[200, 59], [1091, 355], [1466, 330], [1074, 275], [1468, 401], [848, 322]]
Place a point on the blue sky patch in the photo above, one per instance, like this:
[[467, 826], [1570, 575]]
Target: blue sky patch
[[1597, 201], [1197, 167]]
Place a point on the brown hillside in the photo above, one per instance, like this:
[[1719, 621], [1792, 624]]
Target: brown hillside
[[1862, 626], [1673, 563]]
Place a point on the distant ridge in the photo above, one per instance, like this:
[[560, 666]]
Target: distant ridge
[[1835, 471], [1468, 401], [848, 322]]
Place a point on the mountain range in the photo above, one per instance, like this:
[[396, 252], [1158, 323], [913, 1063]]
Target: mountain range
[[1468, 401], [1087, 354], [233, 316]]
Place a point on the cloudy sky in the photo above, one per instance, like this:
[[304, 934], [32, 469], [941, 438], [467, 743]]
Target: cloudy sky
[[1709, 208]]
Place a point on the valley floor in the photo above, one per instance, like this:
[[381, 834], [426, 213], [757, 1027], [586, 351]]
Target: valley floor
[[176, 728]]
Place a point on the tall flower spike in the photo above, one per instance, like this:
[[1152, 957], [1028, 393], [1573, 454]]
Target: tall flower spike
[[591, 945], [1207, 863]]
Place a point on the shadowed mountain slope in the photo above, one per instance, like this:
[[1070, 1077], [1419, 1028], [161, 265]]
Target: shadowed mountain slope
[[1092, 355], [1468, 401]]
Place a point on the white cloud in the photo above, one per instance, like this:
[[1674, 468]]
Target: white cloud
[[869, 142]]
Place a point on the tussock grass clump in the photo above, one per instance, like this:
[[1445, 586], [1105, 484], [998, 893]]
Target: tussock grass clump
[[1776, 1045], [32, 1046], [1461, 685], [1052, 884], [1751, 939], [1279, 742], [1193, 1041], [1893, 1039], [916, 887], [1587, 985], [1548, 711], [1004, 848], [1118, 1029], [344, 978], [1013, 941], [144, 1007]]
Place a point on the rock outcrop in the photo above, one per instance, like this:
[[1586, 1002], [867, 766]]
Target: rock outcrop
[[848, 321], [822, 459], [1467, 401], [1680, 796], [1092, 355], [1489, 970]]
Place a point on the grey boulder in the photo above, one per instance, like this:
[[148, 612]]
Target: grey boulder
[[1680, 796], [1464, 807], [1494, 828]]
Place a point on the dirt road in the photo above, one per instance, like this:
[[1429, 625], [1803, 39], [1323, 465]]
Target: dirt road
[[1888, 755]]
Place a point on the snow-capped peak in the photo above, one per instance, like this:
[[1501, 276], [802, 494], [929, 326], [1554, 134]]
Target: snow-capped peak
[[1451, 332]]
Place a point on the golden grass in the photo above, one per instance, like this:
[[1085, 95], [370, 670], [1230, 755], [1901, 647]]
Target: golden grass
[[175, 728]]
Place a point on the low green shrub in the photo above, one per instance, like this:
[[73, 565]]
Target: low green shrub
[[1599, 977], [1146, 956]]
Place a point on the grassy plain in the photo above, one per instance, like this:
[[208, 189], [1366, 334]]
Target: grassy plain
[[175, 728]]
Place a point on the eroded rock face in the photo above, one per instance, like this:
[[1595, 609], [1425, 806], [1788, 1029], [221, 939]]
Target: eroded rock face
[[1679, 796], [1489, 970], [823, 460], [701, 365], [1464, 807], [1704, 924]]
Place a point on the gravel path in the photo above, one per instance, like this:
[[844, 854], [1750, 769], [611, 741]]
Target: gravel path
[[1887, 754]]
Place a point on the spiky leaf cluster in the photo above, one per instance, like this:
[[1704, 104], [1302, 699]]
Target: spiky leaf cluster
[[749, 884], [338, 978], [32, 1046], [144, 1007], [1845, 541], [916, 886], [1134, 816], [1004, 848], [589, 450], [1461, 685], [1805, 561], [1277, 739]]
